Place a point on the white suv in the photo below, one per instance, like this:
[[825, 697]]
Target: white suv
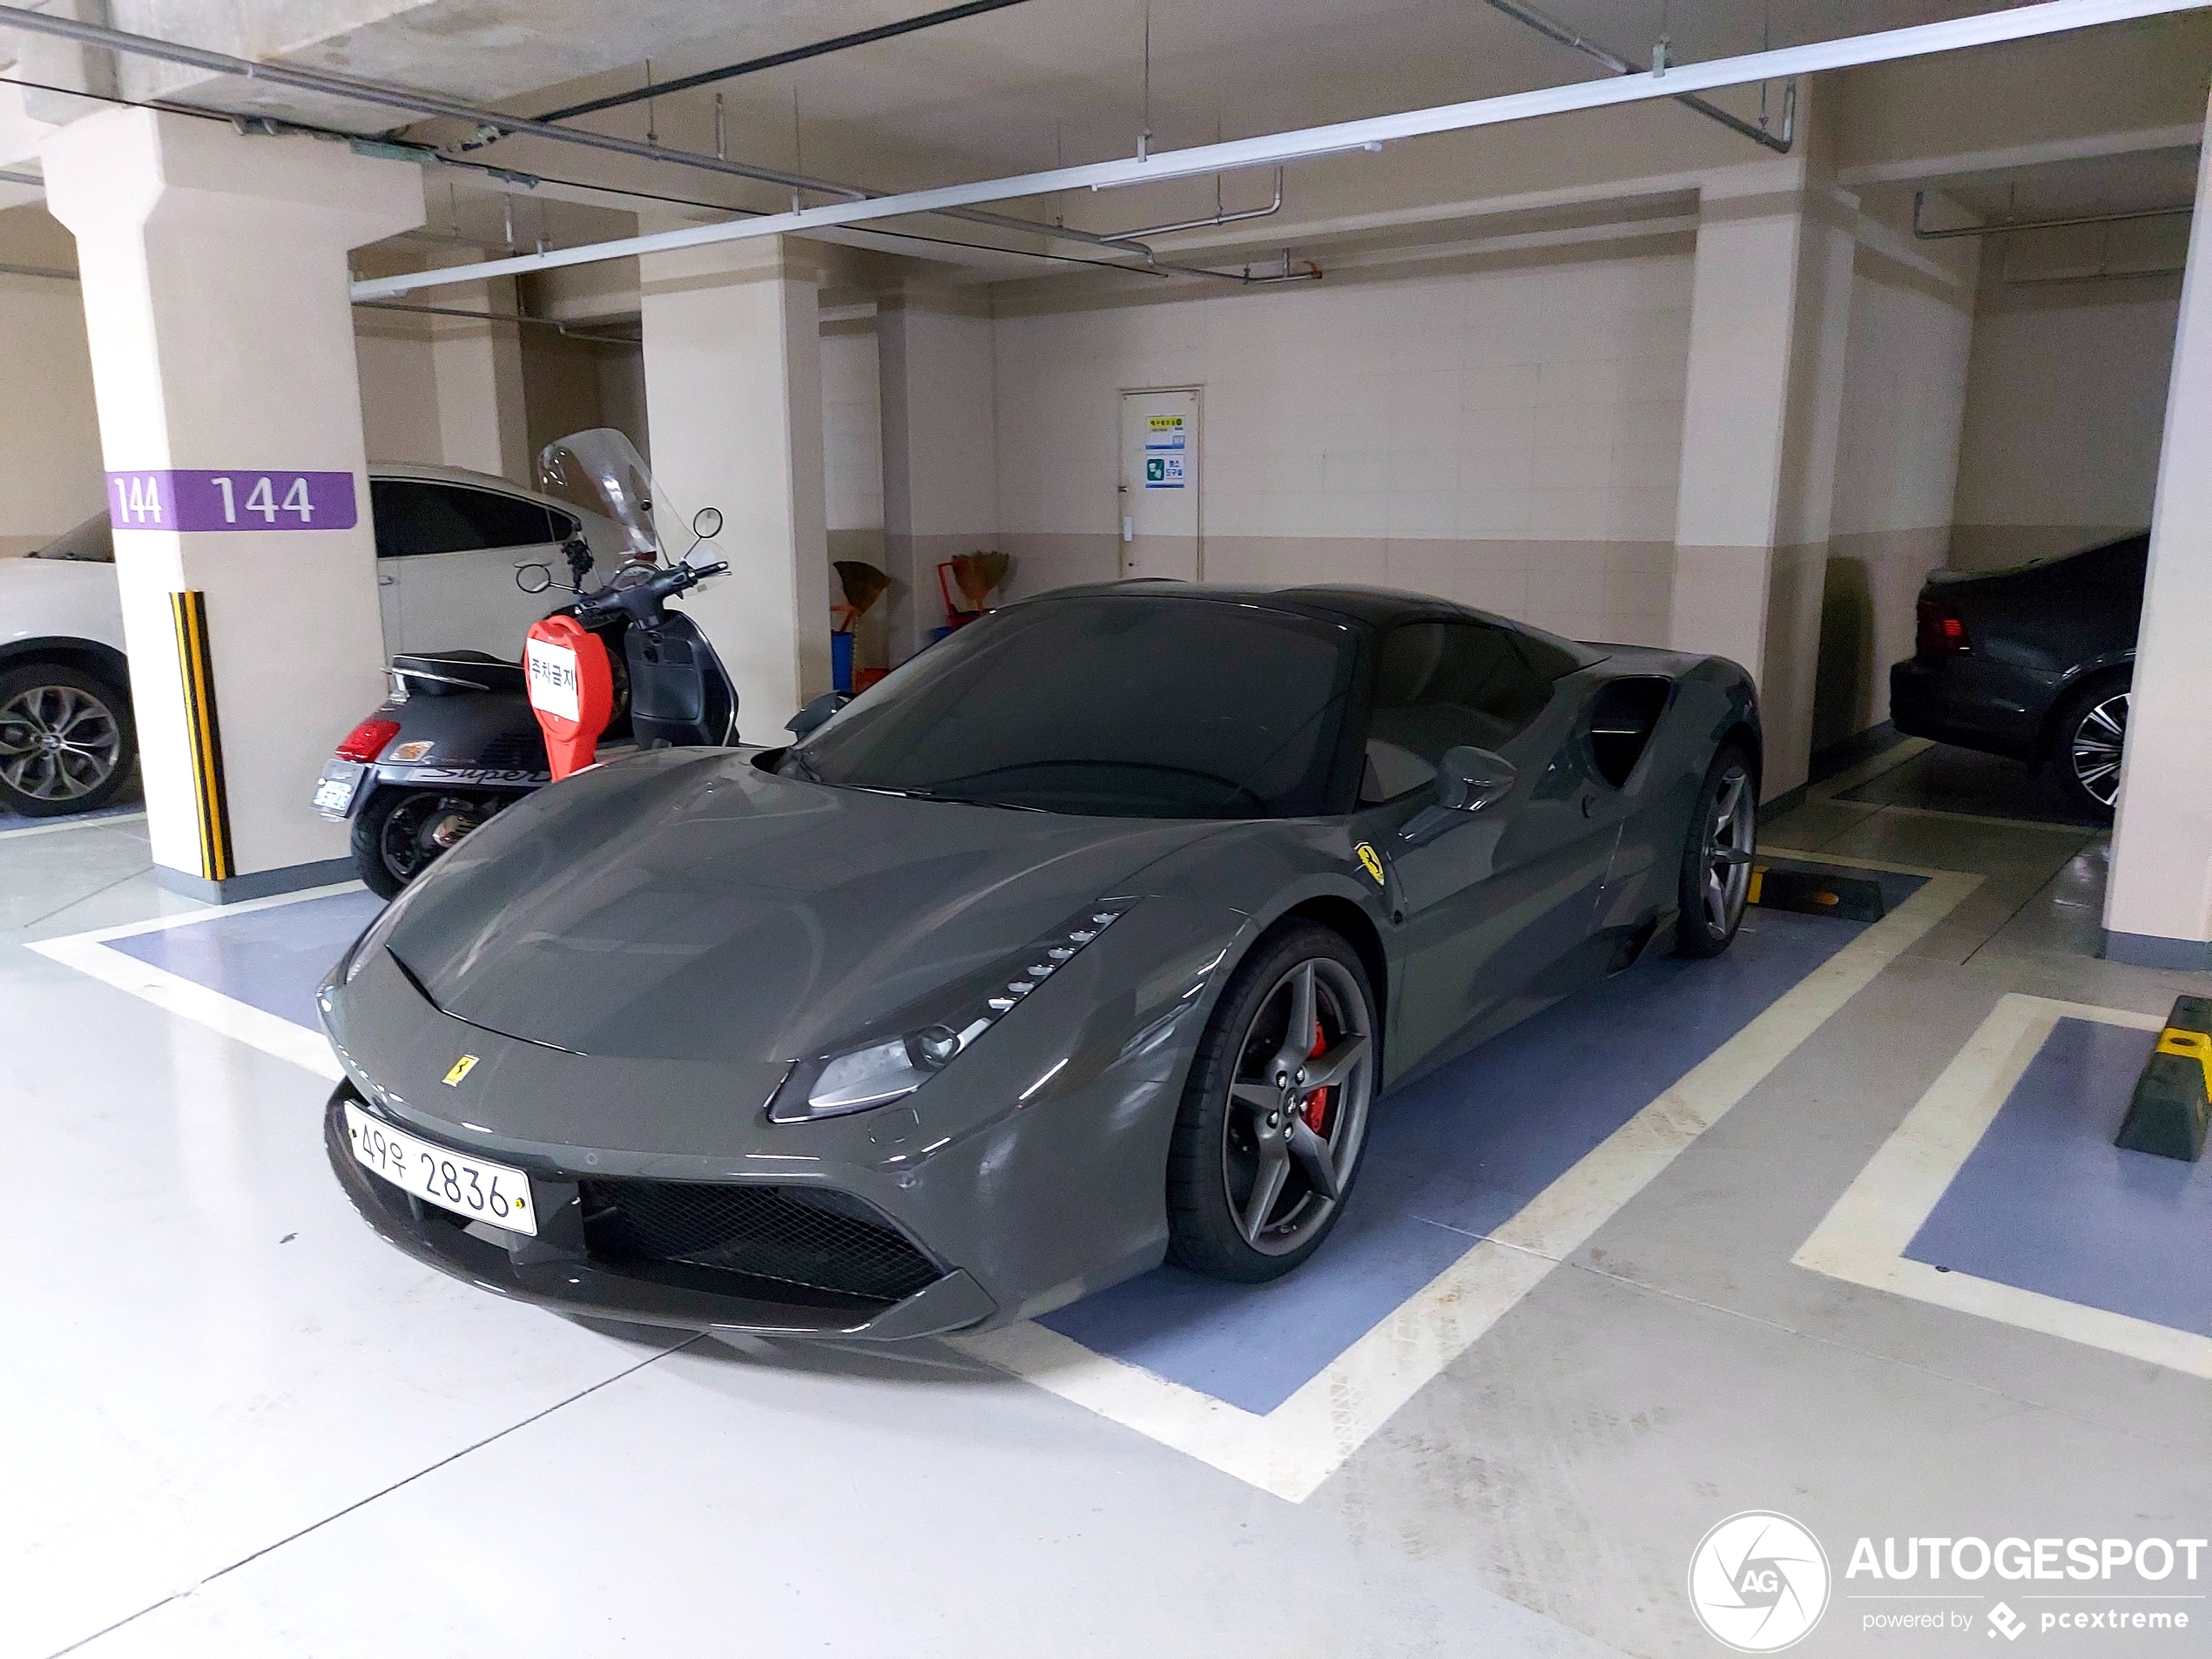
[[446, 545]]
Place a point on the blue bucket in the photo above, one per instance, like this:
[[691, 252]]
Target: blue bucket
[[841, 661]]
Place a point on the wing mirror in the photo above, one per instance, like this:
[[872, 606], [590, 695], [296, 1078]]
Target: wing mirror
[[1469, 779], [803, 724], [533, 577], [706, 524]]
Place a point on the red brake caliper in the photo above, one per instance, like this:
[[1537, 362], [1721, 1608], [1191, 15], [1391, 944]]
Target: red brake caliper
[[1315, 1110]]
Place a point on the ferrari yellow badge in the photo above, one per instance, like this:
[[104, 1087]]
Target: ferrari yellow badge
[[1370, 861], [462, 1068]]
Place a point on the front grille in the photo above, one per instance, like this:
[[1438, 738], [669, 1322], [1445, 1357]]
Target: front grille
[[513, 751], [821, 1239]]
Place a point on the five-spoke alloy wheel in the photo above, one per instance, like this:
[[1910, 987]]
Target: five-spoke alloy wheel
[[1275, 1114], [1716, 858], [66, 741]]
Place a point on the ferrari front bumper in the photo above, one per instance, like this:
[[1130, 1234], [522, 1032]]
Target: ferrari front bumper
[[577, 1262]]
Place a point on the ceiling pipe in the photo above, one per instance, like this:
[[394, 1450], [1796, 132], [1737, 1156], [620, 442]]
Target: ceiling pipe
[[1981, 29], [779, 60], [1238, 217], [2009, 227], [491, 124], [1552, 29]]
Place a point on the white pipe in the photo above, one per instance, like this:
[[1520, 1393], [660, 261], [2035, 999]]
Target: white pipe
[[2022, 23]]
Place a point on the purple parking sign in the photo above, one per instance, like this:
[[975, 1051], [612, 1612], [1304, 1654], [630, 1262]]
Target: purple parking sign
[[241, 499]]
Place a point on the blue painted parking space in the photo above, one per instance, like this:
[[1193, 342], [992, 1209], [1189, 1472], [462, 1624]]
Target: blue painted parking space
[[2047, 1202], [1453, 1156], [270, 958]]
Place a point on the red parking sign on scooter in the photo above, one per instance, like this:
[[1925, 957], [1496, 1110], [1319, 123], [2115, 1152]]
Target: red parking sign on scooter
[[571, 689]]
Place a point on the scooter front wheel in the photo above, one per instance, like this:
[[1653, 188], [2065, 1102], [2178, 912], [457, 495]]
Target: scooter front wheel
[[399, 833]]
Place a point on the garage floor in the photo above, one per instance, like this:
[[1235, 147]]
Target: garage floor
[[1547, 1353]]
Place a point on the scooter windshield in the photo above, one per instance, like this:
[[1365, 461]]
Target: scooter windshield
[[601, 471]]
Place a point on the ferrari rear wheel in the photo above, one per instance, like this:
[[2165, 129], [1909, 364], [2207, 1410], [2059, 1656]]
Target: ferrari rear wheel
[[1274, 1117], [1716, 859]]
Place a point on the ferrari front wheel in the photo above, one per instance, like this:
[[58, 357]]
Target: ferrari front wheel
[[1274, 1117], [1717, 857]]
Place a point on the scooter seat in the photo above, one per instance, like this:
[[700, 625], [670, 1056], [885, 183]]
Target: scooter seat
[[450, 673]]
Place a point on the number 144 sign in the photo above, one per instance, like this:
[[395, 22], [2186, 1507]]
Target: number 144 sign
[[241, 499]]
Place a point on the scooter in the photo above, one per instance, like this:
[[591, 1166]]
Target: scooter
[[456, 742]]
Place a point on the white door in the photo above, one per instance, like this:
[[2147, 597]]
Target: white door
[[1159, 487], [454, 549], [387, 604]]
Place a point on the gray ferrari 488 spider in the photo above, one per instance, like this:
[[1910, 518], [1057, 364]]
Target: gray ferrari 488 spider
[[1090, 938]]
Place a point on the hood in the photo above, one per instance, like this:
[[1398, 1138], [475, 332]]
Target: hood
[[42, 598], [683, 906]]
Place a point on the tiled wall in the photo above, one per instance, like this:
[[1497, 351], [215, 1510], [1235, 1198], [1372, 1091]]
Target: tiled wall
[[1507, 437]]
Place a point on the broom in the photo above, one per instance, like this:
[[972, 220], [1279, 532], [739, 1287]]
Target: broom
[[976, 574], [863, 584]]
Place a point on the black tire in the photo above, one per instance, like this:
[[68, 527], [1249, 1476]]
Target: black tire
[[395, 834], [67, 740], [1225, 1146], [2088, 735], [1715, 875]]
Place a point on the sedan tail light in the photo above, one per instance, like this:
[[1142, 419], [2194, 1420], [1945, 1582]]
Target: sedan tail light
[[366, 741], [1942, 633]]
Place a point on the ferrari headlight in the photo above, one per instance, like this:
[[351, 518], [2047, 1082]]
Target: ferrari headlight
[[888, 1068]]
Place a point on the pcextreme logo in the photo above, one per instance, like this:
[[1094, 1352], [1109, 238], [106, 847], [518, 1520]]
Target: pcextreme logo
[[1758, 1582]]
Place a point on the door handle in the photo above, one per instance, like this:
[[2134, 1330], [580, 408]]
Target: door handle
[[387, 582], [1128, 527]]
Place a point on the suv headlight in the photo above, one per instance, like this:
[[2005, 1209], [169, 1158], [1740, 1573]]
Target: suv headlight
[[886, 1068]]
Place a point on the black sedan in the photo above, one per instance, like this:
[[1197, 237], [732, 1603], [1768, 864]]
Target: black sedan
[[2032, 664], [1090, 936]]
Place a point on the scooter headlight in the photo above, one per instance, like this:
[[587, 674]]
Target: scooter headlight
[[887, 1068]]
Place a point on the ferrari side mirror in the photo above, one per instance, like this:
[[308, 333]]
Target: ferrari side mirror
[[1468, 779], [816, 714]]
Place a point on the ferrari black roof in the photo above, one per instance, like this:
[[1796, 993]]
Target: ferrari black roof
[[1377, 607]]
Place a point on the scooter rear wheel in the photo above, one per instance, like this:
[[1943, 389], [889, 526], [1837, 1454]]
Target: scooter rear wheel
[[399, 833]]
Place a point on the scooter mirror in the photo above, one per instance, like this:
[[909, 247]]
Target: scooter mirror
[[534, 578], [706, 524]]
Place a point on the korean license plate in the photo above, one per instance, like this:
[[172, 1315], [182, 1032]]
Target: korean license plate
[[491, 1193], [340, 782]]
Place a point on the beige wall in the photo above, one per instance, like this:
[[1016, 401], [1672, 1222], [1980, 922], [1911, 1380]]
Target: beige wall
[[2065, 402], [1897, 467], [1506, 432], [50, 436]]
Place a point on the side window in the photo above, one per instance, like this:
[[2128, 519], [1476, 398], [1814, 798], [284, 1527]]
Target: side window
[[416, 517], [505, 521], [1441, 685]]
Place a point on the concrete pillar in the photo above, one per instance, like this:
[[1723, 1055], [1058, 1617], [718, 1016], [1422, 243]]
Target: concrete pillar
[[734, 401], [2158, 906], [1770, 320], [215, 270], [479, 371], [940, 492]]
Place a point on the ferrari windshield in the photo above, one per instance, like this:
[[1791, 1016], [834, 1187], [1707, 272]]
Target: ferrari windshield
[[1113, 705]]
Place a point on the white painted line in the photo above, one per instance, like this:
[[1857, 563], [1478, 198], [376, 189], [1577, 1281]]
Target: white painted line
[[88, 952], [1873, 766], [203, 911], [1292, 1449], [1863, 1238], [59, 824], [253, 1027]]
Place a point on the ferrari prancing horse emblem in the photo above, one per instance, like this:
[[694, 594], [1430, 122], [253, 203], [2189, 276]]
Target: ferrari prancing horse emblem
[[1371, 862], [462, 1068]]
